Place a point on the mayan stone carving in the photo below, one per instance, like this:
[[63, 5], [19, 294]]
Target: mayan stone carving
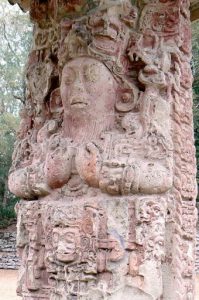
[[104, 161]]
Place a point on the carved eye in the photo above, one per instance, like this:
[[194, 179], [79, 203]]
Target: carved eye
[[91, 73], [69, 76], [69, 237]]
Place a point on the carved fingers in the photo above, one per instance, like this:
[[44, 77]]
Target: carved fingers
[[88, 163], [58, 164], [28, 183]]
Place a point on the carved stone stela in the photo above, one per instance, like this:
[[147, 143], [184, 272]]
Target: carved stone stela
[[104, 161]]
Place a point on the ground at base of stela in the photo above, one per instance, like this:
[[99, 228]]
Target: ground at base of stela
[[8, 279]]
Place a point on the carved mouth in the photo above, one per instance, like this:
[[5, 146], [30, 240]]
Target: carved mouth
[[78, 102], [110, 33], [105, 35], [105, 43], [65, 257]]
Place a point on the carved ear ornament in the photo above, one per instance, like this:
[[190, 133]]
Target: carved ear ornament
[[56, 102], [128, 98]]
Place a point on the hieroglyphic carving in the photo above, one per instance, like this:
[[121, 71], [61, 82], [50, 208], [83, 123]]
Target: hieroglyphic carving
[[105, 150], [146, 243], [75, 254], [31, 248]]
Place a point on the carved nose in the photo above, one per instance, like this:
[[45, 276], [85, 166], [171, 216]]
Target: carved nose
[[65, 248], [78, 94], [78, 86], [79, 89]]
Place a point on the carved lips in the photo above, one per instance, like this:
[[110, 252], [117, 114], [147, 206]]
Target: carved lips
[[79, 102]]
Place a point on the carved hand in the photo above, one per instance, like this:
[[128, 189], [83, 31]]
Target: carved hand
[[58, 164], [88, 163]]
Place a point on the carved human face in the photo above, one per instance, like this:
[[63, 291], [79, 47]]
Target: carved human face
[[87, 87], [66, 242], [144, 212], [147, 210], [106, 28]]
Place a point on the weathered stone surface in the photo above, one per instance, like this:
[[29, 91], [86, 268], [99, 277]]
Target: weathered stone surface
[[105, 153], [197, 250]]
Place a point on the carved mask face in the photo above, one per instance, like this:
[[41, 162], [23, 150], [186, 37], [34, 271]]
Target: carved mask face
[[65, 243], [106, 30], [87, 86], [106, 23], [144, 211], [148, 210]]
